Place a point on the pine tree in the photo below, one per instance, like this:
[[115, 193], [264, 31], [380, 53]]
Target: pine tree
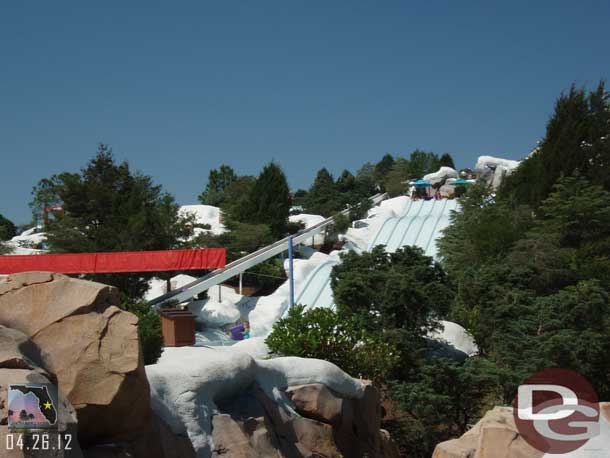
[[446, 161], [322, 198], [218, 181], [7, 229], [270, 200], [382, 168], [577, 139], [108, 208]]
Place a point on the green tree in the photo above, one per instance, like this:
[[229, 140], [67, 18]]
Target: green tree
[[7, 229], [323, 198], [321, 333], [109, 208], [236, 203], [422, 163], [444, 400], [270, 200], [218, 181], [446, 161], [149, 328], [577, 138], [396, 179], [382, 168], [400, 295]]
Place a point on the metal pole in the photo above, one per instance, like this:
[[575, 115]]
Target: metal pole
[[291, 271], [241, 274], [219, 293]]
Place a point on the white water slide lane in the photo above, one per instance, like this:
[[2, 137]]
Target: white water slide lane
[[420, 224]]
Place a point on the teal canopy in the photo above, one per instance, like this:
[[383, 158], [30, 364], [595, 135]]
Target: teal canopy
[[460, 182], [422, 183]]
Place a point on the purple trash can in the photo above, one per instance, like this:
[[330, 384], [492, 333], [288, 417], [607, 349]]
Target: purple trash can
[[237, 332]]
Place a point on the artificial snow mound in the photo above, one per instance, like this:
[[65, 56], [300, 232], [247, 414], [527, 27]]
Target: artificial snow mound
[[440, 175], [493, 170], [491, 161], [309, 221], [205, 214], [187, 382]]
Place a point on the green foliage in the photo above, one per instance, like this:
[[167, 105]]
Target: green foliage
[[577, 138], [401, 290], [482, 231], [360, 209], [446, 161], [400, 295], [441, 404], [109, 208], [422, 163], [241, 239], [266, 275], [532, 288], [7, 229], [323, 197], [218, 181], [402, 170], [382, 168], [323, 334], [269, 200], [149, 329], [341, 224], [395, 180], [236, 203]]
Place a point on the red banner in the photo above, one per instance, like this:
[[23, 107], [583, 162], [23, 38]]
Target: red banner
[[122, 261]]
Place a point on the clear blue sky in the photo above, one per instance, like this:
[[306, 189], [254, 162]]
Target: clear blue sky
[[178, 88]]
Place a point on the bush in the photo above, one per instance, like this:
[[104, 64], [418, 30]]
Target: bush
[[149, 329], [320, 333]]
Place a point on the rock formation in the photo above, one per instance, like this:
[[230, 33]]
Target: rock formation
[[70, 332], [494, 436], [232, 405], [206, 402]]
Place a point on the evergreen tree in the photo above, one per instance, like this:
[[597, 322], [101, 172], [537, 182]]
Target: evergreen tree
[[422, 163], [577, 138], [323, 198], [7, 229], [218, 181], [382, 168], [396, 179], [365, 181], [109, 208], [270, 200], [446, 161], [236, 203]]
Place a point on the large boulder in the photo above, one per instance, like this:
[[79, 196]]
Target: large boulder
[[494, 436], [88, 344]]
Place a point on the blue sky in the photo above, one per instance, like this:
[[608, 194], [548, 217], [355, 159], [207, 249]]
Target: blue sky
[[178, 88]]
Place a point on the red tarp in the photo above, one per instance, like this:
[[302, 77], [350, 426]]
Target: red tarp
[[123, 261]]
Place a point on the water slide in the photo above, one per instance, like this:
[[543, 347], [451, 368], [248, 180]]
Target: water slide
[[420, 224]]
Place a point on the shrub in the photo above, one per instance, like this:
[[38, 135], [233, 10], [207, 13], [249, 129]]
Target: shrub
[[149, 329], [320, 333]]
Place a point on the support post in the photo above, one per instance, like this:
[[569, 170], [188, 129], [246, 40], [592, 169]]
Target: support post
[[219, 293], [291, 271], [241, 274]]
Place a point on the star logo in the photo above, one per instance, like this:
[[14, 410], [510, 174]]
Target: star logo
[[47, 405]]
